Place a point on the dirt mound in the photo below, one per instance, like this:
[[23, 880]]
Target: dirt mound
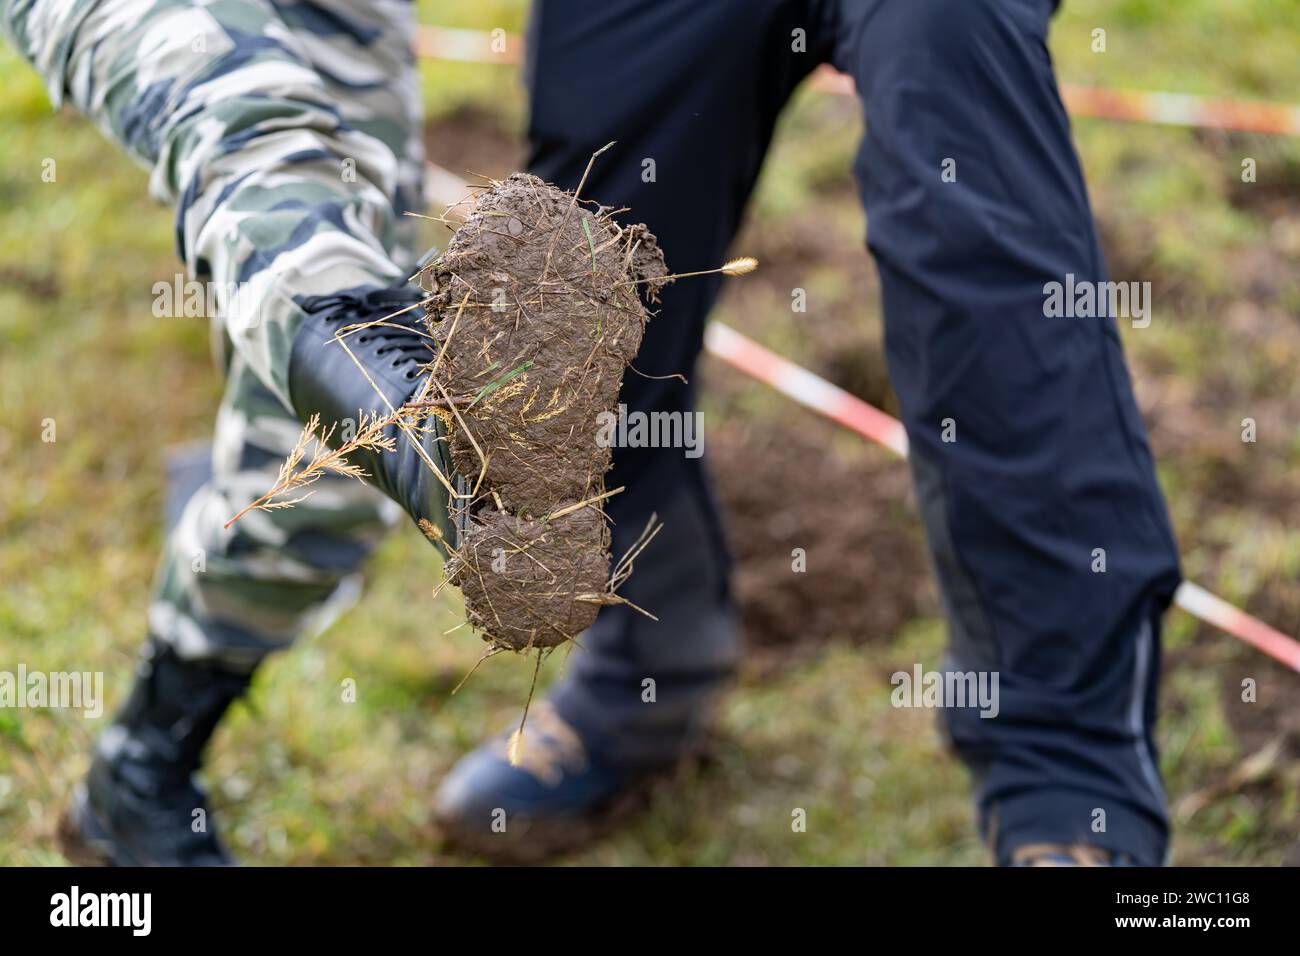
[[536, 310], [785, 485], [530, 583]]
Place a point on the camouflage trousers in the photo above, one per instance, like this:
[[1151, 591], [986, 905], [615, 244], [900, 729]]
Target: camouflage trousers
[[287, 136]]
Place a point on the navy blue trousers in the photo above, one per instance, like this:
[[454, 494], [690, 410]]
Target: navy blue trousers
[[1050, 460]]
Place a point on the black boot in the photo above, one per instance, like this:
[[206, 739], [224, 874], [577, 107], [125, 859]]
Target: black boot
[[139, 805], [325, 380]]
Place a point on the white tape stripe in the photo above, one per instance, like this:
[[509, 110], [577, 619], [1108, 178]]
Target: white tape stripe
[[1199, 602], [1176, 109]]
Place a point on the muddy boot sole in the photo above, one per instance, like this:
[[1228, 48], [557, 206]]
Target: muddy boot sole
[[535, 311]]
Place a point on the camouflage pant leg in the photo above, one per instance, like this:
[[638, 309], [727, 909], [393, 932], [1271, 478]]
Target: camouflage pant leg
[[304, 83], [277, 573]]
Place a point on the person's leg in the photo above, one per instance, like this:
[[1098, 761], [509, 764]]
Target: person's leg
[[1027, 447], [263, 580], [272, 572], [338, 92], [224, 599], [690, 92]]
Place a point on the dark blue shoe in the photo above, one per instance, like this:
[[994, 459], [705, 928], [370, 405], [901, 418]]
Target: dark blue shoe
[[555, 798]]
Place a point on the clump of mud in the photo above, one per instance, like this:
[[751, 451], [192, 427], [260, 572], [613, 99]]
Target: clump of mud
[[533, 583], [535, 310]]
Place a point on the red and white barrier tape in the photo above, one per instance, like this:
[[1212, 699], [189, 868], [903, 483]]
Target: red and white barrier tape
[[811, 391], [445, 188], [1137, 106]]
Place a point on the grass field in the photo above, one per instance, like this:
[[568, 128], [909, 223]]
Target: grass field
[[301, 778]]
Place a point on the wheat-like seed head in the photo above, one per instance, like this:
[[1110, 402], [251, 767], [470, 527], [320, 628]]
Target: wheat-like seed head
[[739, 267]]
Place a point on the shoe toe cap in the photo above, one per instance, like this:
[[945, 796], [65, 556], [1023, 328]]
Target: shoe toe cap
[[484, 784]]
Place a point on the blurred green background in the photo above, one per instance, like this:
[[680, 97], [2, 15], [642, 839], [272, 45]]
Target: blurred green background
[[300, 778]]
